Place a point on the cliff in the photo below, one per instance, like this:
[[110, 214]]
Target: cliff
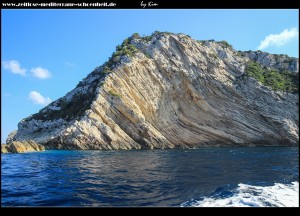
[[169, 90]]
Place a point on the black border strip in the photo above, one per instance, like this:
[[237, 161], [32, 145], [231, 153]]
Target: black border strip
[[145, 4]]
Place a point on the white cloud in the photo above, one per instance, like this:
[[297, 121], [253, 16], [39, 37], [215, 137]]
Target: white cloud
[[279, 39], [37, 98], [14, 67], [70, 64], [40, 73]]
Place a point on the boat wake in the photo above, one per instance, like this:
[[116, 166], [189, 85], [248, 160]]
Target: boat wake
[[278, 195]]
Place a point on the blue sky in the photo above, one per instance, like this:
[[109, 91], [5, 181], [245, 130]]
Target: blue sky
[[45, 53]]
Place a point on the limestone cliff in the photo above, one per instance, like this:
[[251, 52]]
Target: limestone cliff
[[167, 91]]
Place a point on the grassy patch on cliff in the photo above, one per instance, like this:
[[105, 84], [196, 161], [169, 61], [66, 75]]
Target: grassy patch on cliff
[[113, 93], [124, 49], [72, 109], [225, 44], [279, 81], [69, 109], [149, 38], [201, 42]]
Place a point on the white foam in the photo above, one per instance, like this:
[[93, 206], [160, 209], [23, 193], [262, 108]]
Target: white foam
[[278, 195]]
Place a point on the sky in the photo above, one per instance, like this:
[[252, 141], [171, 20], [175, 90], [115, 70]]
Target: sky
[[45, 53]]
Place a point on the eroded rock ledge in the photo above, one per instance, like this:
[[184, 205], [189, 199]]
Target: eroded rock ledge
[[21, 147]]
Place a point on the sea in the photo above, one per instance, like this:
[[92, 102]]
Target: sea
[[203, 177]]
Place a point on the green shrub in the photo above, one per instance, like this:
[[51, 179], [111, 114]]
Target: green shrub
[[201, 42], [155, 33], [240, 53], [225, 44], [135, 35], [147, 55], [213, 55], [254, 70], [124, 49], [279, 81], [113, 93], [106, 70], [147, 38]]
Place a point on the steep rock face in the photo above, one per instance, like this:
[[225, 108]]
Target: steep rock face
[[170, 91], [21, 147], [280, 62]]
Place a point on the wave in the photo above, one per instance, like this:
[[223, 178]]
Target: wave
[[278, 195]]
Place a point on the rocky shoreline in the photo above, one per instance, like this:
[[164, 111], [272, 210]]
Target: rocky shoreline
[[21, 147]]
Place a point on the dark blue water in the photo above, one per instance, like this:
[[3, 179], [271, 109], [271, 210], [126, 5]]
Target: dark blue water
[[139, 177]]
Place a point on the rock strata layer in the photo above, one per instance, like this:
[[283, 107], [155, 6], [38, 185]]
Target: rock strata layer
[[21, 147], [170, 91]]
